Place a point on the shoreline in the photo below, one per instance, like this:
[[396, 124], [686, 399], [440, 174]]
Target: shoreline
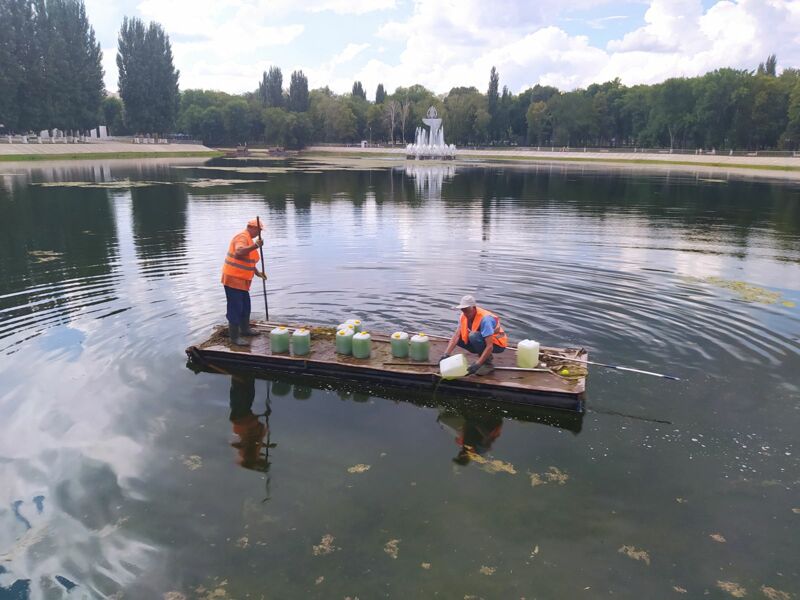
[[10, 158], [785, 168]]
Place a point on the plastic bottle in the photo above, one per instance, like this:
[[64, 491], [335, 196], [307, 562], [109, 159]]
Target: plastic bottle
[[344, 341], [279, 340], [362, 344], [301, 342], [420, 347], [399, 344]]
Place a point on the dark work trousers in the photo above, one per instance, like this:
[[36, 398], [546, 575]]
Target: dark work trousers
[[238, 306], [477, 344]]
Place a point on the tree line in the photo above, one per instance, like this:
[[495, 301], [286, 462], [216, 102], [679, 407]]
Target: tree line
[[51, 76]]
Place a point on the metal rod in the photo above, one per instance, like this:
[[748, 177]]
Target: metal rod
[[263, 270], [618, 368]]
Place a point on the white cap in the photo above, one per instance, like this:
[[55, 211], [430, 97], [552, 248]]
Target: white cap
[[466, 302]]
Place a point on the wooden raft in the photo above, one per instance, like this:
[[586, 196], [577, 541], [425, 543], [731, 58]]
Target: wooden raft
[[530, 388]]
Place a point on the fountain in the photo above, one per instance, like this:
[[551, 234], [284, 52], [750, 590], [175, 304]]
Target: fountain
[[429, 145]]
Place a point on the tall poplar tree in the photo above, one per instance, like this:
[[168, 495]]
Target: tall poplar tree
[[270, 90], [298, 93], [493, 103], [148, 80], [380, 94]]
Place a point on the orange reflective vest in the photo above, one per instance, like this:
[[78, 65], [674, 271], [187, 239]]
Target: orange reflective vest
[[499, 338], [238, 273]]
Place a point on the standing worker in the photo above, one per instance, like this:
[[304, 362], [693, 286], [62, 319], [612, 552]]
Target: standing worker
[[478, 332], [237, 275]]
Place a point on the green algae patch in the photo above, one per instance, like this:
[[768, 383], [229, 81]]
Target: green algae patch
[[207, 183], [747, 292], [44, 256], [734, 589], [324, 547], [103, 155], [122, 184], [635, 554], [392, 548]]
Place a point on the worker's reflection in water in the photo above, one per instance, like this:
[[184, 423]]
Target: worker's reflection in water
[[253, 443], [475, 432]]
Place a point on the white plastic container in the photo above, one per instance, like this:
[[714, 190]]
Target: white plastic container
[[528, 354], [301, 342], [454, 366], [344, 341], [349, 326], [419, 347], [362, 344], [356, 323], [399, 343]]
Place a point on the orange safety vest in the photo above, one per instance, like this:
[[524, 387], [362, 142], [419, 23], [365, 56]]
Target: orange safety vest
[[238, 273], [499, 338]]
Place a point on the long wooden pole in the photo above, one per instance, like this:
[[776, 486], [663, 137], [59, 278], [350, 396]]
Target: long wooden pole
[[263, 270]]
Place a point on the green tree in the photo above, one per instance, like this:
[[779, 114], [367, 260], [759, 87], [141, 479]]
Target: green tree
[[148, 80], [235, 116], [538, 124], [270, 90], [769, 67], [380, 94], [358, 91], [493, 103], [791, 136], [298, 92], [212, 126], [114, 116]]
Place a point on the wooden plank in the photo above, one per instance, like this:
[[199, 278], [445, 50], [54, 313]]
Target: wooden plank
[[526, 387]]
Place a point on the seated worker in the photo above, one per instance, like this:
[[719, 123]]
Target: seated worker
[[478, 332]]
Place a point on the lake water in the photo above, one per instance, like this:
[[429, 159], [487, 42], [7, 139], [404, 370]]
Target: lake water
[[123, 472]]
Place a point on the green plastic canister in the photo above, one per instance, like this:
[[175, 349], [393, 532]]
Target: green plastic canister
[[399, 344], [362, 344], [419, 347], [356, 323], [344, 341], [279, 340], [301, 342]]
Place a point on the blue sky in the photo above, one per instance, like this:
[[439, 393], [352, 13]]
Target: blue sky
[[227, 44]]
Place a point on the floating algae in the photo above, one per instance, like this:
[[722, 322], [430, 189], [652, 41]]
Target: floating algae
[[490, 465], [747, 292], [796, 511], [121, 184], [325, 546], [207, 183], [43, 256], [679, 589], [734, 589], [193, 462], [635, 554], [552, 475], [718, 538], [774, 594], [426, 566], [391, 548], [319, 580], [484, 570], [359, 468]]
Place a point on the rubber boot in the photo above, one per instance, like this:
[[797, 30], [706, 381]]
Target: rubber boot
[[246, 331], [236, 339]]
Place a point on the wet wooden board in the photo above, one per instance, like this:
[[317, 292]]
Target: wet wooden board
[[517, 387]]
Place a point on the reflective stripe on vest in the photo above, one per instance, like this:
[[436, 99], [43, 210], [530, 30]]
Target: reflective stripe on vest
[[243, 268], [499, 338]]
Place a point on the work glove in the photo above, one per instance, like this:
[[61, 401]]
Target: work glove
[[445, 355], [258, 242], [473, 368], [261, 275]]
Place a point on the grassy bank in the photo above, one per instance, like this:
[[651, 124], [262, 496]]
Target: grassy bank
[[101, 155], [496, 158]]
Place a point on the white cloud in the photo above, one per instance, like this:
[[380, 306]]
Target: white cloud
[[453, 43], [349, 7]]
